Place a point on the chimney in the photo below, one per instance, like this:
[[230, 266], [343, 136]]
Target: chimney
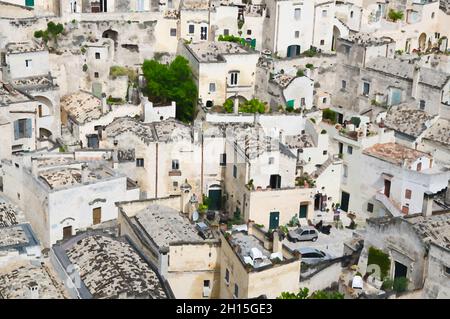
[[427, 208], [84, 173], [105, 106], [416, 78], [185, 195], [147, 109], [447, 194], [236, 106], [278, 237], [193, 205]]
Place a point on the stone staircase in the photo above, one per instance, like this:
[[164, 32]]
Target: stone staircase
[[323, 167]]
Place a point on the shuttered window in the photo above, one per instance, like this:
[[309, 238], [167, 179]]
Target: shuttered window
[[22, 128]]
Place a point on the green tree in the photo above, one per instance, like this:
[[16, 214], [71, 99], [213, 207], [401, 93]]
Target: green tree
[[329, 114], [228, 106], [172, 82], [378, 257], [252, 106], [51, 33], [395, 15]]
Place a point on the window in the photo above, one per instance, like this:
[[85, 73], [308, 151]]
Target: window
[[28, 63], [212, 87], [297, 34], [325, 152], [343, 84], [175, 164], [22, 128], [351, 14], [437, 35], [227, 276], [271, 160], [370, 207], [175, 184], [324, 100], [203, 33], [139, 162], [322, 42], [366, 88], [236, 291], [96, 74], [233, 78], [302, 101], [432, 15], [234, 171], [249, 32], [419, 167], [297, 13], [324, 13], [173, 32], [408, 193], [447, 270], [223, 159], [191, 28], [422, 105], [97, 55], [226, 32], [349, 150]]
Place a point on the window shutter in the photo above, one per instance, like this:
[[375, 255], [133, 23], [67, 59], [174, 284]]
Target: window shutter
[[28, 127]]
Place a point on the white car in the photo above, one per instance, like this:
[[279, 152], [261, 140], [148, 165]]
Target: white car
[[312, 256]]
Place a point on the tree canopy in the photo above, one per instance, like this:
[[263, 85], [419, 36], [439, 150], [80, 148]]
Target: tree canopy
[[51, 33], [171, 82]]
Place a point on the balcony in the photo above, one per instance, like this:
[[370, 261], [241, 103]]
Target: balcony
[[391, 206]]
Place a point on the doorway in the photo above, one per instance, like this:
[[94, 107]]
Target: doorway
[[215, 198], [96, 215], [275, 181], [400, 270], [293, 50], [345, 199], [317, 199], [387, 187], [274, 220], [303, 213], [67, 232]]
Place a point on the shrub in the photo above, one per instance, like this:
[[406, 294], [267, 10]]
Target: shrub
[[300, 72], [114, 101], [313, 120], [310, 52], [252, 106], [85, 67], [330, 115], [400, 284], [228, 106], [378, 257], [395, 15], [230, 38], [356, 121], [309, 66], [387, 284], [323, 132]]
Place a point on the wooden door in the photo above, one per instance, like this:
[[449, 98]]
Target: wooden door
[[67, 232], [96, 215]]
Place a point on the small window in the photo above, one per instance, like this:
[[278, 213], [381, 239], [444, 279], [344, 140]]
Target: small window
[[271, 160], [349, 150], [28, 63], [408, 193], [223, 159], [302, 101], [227, 276], [297, 13], [96, 74], [236, 291], [422, 105], [366, 88], [249, 32], [97, 55], [191, 28], [206, 283], [212, 87], [234, 171], [432, 15], [447, 270], [370, 207], [419, 167], [233, 78], [324, 100], [351, 14], [325, 152], [173, 32], [322, 42], [23, 128], [324, 13], [226, 32], [343, 84], [175, 164], [139, 162], [297, 34], [175, 184]]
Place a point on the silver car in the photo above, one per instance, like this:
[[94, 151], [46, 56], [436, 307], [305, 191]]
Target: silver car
[[312, 256], [302, 234]]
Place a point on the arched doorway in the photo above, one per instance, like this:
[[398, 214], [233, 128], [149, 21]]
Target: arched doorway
[[336, 35], [215, 197], [422, 41], [293, 50], [45, 106], [111, 34]]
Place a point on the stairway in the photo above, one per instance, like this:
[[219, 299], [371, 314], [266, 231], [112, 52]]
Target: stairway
[[323, 167]]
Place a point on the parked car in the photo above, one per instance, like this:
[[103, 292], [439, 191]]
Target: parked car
[[312, 255], [302, 234]]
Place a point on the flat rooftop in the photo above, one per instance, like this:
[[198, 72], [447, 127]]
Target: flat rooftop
[[82, 107], [62, 177], [23, 47], [10, 95], [166, 225], [407, 120], [248, 246], [214, 51], [110, 267], [283, 80], [17, 278], [394, 153], [299, 141]]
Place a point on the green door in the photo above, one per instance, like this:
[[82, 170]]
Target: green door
[[274, 220], [215, 199], [29, 3], [303, 211]]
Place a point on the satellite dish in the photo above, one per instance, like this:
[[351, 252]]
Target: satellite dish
[[195, 216]]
